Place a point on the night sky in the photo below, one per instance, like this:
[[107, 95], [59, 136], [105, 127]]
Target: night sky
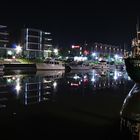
[[73, 22]]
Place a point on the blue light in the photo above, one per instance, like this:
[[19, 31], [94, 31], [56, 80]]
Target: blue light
[[14, 45]]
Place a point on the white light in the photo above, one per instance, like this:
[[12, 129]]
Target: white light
[[55, 51], [94, 54], [13, 57], [96, 57], [76, 58], [9, 80], [9, 52], [100, 59], [48, 45], [18, 87], [72, 46], [115, 75], [47, 33], [18, 49], [84, 58], [116, 56], [93, 79], [48, 51], [55, 84], [76, 77], [85, 76], [49, 39]]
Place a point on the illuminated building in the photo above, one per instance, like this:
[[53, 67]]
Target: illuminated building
[[36, 43], [76, 50], [105, 49], [4, 40]]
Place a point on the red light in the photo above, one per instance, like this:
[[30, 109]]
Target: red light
[[74, 47], [86, 52]]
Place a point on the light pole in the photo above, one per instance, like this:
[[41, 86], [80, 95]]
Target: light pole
[[18, 50]]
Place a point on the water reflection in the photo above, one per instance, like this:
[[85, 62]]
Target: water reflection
[[97, 79], [40, 87], [22, 93], [28, 89]]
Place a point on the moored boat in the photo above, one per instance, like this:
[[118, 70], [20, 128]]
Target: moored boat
[[78, 66], [132, 61], [101, 65], [50, 65]]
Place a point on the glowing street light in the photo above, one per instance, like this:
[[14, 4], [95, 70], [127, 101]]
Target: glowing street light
[[116, 56], [18, 49], [9, 52], [93, 54], [55, 51]]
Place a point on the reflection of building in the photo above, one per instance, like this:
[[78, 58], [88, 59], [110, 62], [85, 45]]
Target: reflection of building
[[36, 43], [97, 79], [27, 89], [37, 92]]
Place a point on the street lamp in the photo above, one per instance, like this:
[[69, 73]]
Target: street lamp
[[18, 49], [55, 51]]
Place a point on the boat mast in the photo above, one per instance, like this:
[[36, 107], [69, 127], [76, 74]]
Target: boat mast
[[137, 28]]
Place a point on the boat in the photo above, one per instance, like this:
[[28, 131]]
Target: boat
[[101, 65], [50, 64], [78, 66], [132, 61]]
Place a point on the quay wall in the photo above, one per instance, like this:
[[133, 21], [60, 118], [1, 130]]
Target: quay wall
[[28, 67]]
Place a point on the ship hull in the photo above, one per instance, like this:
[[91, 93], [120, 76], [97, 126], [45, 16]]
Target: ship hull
[[133, 68]]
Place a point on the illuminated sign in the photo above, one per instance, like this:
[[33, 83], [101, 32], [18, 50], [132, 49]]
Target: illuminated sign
[[74, 47]]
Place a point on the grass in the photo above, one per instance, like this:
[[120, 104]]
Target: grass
[[29, 61]]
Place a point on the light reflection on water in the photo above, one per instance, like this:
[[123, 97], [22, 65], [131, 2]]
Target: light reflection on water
[[39, 87], [20, 91], [98, 79]]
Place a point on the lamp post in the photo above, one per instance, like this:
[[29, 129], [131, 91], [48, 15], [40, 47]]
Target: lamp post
[[55, 52], [18, 50]]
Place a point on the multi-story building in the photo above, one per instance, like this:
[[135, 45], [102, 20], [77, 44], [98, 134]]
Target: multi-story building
[[105, 51], [4, 40], [36, 43]]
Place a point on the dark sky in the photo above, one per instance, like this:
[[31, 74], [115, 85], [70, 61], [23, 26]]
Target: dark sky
[[72, 22]]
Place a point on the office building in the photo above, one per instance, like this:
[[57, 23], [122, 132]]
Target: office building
[[35, 43], [4, 40]]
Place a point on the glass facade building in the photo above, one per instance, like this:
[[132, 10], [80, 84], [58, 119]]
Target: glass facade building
[[4, 40], [35, 43]]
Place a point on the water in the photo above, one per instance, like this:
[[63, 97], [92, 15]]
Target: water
[[54, 102]]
